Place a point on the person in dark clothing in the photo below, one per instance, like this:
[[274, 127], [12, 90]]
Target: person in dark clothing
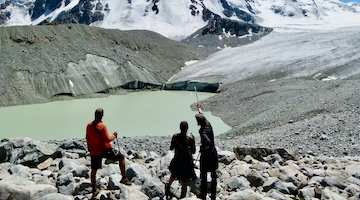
[[209, 158], [181, 166]]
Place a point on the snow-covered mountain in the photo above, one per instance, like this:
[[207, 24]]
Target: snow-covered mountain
[[316, 39], [179, 19]]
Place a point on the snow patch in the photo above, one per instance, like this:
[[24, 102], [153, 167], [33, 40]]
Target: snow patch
[[71, 83]]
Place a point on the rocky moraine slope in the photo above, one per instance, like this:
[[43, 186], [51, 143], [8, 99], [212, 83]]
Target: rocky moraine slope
[[41, 62]]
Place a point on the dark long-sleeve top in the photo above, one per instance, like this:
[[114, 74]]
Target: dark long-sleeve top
[[207, 135]]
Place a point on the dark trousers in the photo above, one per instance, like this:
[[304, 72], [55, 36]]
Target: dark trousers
[[203, 187]]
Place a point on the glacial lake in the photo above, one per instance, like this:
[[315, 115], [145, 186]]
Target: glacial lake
[[152, 113]]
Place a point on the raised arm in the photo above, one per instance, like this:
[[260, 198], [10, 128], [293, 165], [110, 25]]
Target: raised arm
[[199, 107]]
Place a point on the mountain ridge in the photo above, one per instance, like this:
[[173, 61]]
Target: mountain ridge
[[179, 19]]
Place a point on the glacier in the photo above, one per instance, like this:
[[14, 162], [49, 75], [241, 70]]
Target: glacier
[[283, 54]]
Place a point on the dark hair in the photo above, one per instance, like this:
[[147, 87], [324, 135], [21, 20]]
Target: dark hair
[[184, 126], [99, 113], [200, 118]]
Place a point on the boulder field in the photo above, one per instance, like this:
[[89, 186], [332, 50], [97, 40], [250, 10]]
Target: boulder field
[[44, 170]]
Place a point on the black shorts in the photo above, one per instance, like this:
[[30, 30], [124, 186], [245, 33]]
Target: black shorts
[[111, 154]]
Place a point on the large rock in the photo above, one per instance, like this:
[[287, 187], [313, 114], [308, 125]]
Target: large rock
[[255, 178], [36, 152], [21, 171], [235, 183], [226, 157], [20, 189], [66, 165], [138, 173], [9, 148], [153, 187], [66, 184], [130, 193], [329, 194], [244, 194], [261, 153], [5, 152], [55, 196]]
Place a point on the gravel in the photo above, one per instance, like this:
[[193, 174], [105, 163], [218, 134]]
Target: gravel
[[308, 116]]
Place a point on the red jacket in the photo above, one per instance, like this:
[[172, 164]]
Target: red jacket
[[98, 143]]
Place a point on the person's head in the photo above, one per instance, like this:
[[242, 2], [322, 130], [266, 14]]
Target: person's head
[[99, 113], [200, 118], [184, 126]]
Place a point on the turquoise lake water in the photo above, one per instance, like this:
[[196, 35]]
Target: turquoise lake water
[[155, 113]]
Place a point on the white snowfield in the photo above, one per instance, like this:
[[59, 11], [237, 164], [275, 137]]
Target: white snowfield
[[322, 55], [174, 19]]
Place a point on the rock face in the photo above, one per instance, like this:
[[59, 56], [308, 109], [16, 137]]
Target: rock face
[[274, 175], [40, 62], [221, 32]]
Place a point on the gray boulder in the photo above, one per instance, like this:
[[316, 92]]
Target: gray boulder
[[244, 194], [138, 173], [56, 196], [67, 165], [21, 171], [329, 194], [333, 181], [153, 187], [353, 169], [235, 183], [255, 178], [131, 192], [83, 188], [261, 153], [66, 184], [36, 152], [277, 195], [270, 184], [5, 151], [20, 189], [226, 157], [291, 173], [109, 170], [307, 192], [114, 182]]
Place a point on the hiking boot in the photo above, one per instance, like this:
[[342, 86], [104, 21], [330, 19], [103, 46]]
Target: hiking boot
[[125, 181]]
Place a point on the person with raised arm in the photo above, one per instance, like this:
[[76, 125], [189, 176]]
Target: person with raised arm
[[209, 158]]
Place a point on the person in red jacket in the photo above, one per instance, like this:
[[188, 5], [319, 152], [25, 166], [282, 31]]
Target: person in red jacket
[[98, 142]]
